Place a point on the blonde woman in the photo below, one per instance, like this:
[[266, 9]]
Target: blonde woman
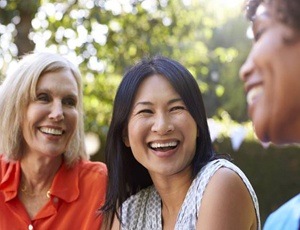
[[46, 180]]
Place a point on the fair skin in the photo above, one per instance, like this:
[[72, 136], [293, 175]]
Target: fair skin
[[271, 77], [48, 126], [226, 204], [161, 132], [162, 135]]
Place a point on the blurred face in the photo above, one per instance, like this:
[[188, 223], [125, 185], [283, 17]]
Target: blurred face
[[161, 132], [272, 80], [50, 120]]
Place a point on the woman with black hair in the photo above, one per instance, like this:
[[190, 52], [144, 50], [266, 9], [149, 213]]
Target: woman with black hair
[[163, 172]]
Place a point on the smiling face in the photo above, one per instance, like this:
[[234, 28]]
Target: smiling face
[[272, 79], [51, 119], [161, 131]]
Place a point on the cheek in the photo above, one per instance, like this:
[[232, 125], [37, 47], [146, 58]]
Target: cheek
[[135, 142], [191, 126], [136, 130], [194, 134], [193, 142], [72, 121], [134, 136], [28, 119]]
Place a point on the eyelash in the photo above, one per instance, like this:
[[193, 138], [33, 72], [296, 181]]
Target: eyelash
[[66, 101], [144, 111], [42, 97], [172, 109], [178, 108], [70, 102]]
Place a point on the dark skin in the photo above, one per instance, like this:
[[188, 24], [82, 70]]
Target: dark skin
[[285, 11]]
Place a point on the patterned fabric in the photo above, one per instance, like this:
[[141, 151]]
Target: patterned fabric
[[143, 210]]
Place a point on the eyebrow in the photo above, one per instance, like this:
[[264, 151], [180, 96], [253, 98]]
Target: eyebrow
[[259, 20], [48, 91], [150, 103]]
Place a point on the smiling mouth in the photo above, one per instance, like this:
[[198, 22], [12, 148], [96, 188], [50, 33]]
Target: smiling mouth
[[253, 94], [163, 146], [51, 131]]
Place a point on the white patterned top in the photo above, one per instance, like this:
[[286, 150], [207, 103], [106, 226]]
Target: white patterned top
[[143, 210]]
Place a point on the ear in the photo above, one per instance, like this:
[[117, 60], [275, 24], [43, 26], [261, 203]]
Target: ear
[[125, 138], [126, 141]]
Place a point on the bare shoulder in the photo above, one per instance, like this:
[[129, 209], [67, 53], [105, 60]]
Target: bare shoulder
[[226, 203], [227, 179]]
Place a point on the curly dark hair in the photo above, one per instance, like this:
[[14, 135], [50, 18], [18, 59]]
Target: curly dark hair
[[286, 11]]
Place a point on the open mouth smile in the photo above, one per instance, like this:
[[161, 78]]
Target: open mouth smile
[[51, 131], [163, 146], [253, 94]]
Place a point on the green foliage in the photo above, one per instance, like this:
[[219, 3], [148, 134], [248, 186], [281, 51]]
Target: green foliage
[[206, 36], [107, 37], [11, 8], [231, 47]]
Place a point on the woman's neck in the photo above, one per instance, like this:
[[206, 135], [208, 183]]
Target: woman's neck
[[38, 173], [173, 190]]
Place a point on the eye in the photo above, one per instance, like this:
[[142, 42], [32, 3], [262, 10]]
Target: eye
[[176, 108], [70, 102], [144, 111], [43, 97]]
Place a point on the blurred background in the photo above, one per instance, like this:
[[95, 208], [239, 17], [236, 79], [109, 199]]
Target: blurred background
[[105, 37]]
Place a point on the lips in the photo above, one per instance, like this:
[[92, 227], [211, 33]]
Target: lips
[[163, 146], [51, 131], [254, 93]]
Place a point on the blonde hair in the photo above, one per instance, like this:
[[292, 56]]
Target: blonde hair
[[16, 92]]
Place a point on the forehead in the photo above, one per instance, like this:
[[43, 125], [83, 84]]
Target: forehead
[[155, 85], [155, 82], [62, 79]]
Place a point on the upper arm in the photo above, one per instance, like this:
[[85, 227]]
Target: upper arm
[[226, 203]]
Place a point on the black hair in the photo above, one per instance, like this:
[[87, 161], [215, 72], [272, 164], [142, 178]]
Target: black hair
[[126, 175], [286, 11]]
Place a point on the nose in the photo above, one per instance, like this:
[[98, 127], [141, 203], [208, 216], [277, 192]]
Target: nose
[[56, 113], [162, 125], [247, 68]]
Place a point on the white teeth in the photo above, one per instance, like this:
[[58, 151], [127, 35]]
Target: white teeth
[[161, 145], [51, 131], [254, 93]]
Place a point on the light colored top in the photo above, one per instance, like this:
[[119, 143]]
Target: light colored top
[[287, 217], [75, 195], [143, 210]]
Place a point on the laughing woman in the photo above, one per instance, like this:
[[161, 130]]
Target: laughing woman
[[271, 75], [163, 173], [45, 177]]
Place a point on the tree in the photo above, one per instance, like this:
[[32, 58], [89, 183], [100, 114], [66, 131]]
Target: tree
[[106, 37]]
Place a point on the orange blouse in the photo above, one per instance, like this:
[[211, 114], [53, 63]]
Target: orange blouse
[[75, 196]]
